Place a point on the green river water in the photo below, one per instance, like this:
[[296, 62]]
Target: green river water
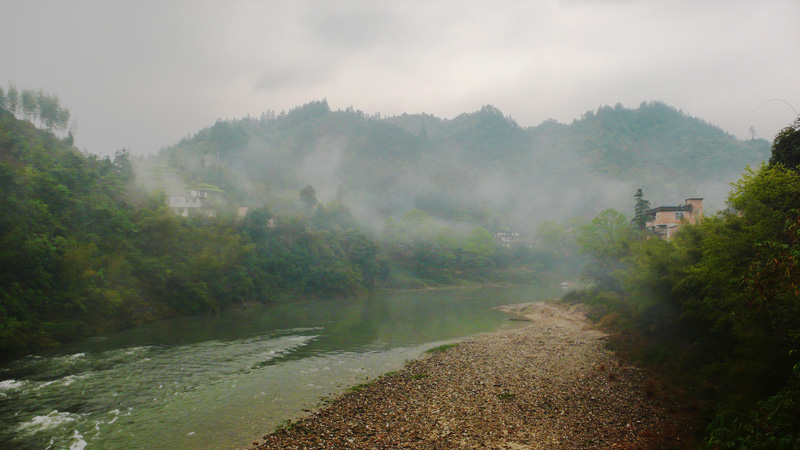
[[220, 382]]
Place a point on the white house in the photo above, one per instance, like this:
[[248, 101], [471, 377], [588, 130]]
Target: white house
[[196, 201]]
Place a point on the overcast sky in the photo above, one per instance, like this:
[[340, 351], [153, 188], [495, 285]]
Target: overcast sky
[[143, 74]]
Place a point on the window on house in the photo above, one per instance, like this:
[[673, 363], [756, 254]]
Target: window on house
[[678, 216]]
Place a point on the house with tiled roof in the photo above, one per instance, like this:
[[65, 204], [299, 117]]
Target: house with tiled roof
[[665, 221]]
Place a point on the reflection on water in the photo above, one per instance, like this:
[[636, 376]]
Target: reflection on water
[[219, 382]]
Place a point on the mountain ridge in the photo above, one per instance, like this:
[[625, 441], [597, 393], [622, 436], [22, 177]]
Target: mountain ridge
[[394, 164]]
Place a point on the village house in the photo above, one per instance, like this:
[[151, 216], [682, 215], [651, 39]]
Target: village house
[[665, 221], [196, 201], [509, 238]]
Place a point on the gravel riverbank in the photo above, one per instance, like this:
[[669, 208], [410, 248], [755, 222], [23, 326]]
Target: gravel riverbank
[[551, 385]]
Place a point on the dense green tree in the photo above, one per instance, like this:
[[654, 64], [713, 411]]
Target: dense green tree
[[765, 198], [761, 251], [255, 224], [33, 106], [640, 208], [308, 196], [480, 249], [362, 252], [418, 226], [772, 287], [226, 136], [772, 423], [606, 239], [52, 115], [605, 236], [29, 106], [122, 164], [786, 147], [12, 99], [333, 215]]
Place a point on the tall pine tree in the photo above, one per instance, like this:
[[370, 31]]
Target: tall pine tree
[[639, 221]]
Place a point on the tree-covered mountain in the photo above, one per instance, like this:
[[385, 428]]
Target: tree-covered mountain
[[339, 201], [477, 168], [83, 251]]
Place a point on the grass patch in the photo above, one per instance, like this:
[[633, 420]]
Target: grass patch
[[360, 386], [506, 396], [288, 425], [419, 376], [441, 348]]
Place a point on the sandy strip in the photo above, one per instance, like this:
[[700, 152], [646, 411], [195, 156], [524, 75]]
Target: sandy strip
[[551, 385]]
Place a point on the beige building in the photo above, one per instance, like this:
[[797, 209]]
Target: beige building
[[666, 220]]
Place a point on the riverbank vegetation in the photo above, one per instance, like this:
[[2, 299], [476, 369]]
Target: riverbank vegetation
[[84, 249], [718, 306]]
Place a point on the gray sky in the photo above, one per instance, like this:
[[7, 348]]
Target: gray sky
[[143, 74]]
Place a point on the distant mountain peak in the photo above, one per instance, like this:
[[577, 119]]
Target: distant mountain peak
[[491, 109]]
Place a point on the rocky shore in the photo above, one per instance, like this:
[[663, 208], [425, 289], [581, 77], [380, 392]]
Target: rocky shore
[[551, 385]]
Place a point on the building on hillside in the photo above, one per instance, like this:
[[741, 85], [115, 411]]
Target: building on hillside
[[509, 238], [194, 203], [665, 221]]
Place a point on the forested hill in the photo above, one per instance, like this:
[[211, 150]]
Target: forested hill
[[83, 251], [85, 248], [476, 165], [62, 212]]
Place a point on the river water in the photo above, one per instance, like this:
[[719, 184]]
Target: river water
[[220, 382]]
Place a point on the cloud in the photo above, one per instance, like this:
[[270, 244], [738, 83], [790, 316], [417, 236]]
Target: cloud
[[285, 76], [145, 74], [356, 25]]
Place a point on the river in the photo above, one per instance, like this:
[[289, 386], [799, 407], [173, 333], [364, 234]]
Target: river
[[220, 382]]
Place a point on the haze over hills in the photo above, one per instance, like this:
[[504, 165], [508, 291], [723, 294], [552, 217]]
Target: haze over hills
[[215, 168], [480, 168], [84, 250]]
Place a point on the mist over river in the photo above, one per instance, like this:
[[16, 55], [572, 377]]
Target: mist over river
[[219, 382]]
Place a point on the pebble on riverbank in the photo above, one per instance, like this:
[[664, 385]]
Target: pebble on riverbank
[[551, 385]]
